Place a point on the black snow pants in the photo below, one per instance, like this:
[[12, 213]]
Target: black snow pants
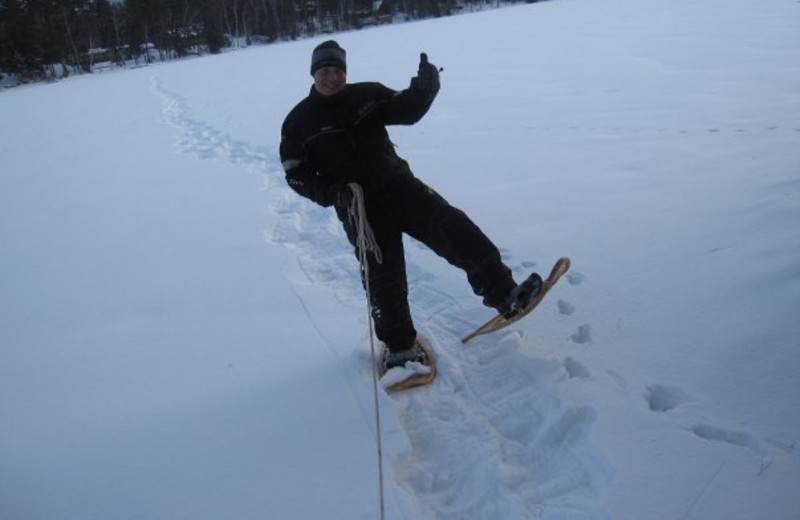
[[413, 208]]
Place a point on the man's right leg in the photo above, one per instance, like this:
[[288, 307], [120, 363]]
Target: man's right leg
[[388, 285]]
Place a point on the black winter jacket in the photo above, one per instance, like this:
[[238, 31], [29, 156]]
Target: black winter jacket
[[327, 142]]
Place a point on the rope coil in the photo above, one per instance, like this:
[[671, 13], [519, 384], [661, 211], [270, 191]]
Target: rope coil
[[366, 238]]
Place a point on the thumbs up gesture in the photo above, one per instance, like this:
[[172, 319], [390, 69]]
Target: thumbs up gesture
[[427, 79]]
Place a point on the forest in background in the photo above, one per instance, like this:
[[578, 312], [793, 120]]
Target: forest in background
[[50, 39]]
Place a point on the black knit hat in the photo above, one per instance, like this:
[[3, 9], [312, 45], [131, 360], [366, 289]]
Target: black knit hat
[[328, 54]]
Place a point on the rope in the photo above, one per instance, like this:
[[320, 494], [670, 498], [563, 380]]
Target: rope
[[366, 242], [366, 238]]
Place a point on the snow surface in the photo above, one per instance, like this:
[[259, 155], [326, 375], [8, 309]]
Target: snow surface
[[184, 337]]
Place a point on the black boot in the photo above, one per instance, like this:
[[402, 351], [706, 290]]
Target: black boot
[[414, 354], [521, 295]]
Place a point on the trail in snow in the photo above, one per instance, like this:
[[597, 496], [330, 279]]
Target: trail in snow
[[538, 463]]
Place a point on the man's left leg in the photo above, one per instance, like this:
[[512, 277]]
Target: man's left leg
[[451, 234]]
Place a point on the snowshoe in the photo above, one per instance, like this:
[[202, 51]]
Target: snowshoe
[[534, 294], [407, 369]]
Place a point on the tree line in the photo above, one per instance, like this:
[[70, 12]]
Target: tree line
[[41, 39]]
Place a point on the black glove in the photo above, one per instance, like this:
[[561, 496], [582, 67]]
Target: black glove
[[427, 79]]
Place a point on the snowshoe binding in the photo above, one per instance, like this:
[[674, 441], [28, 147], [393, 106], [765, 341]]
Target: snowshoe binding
[[407, 368], [521, 296], [522, 300]]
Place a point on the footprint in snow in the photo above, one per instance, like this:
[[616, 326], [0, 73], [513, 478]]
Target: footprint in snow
[[582, 335], [661, 398], [736, 438], [522, 270], [576, 369], [565, 308], [575, 277], [201, 139]]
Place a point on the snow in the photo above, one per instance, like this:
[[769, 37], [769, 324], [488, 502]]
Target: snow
[[397, 375], [184, 337]]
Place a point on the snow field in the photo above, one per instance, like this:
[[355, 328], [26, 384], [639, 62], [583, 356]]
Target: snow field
[[184, 337]]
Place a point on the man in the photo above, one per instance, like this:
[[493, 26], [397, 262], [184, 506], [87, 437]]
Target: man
[[337, 136]]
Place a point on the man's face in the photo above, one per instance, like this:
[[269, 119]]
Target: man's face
[[329, 80]]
